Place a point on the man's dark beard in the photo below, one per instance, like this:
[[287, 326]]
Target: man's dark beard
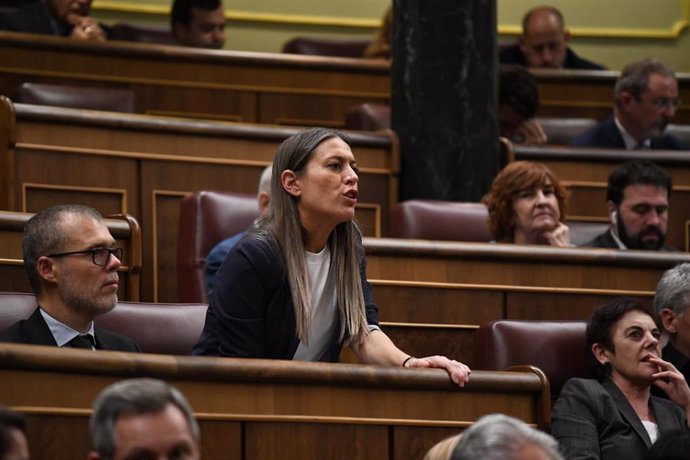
[[638, 242]]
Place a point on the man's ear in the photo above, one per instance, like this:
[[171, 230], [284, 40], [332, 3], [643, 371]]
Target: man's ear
[[522, 44], [566, 35], [600, 353], [288, 180], [611, 210], [625, 99], [264, 199], [46, 268], [668, 320], [180, 31]]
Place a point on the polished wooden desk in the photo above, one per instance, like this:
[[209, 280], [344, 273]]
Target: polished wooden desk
[[225, 85], [260, 87], [124, 228], [264, 409], [585, 171], [143, 165], [433, 295]]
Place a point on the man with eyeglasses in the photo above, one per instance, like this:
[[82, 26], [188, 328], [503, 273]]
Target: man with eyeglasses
[[71, 262], [646, 100], [637, 200], [544, 43], [671, 302]]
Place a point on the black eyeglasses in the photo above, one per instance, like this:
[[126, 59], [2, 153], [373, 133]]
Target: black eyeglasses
[[100, 256]]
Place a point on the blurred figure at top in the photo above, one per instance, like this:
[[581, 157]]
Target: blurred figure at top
[[198, 23], [544, 43], [65, 18]]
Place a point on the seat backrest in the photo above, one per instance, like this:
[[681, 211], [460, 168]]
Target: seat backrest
[[682, 132], [145, 33], [440, 220], [561, 131], [317, 46], [167, 328], [77, 97], [15, 306], [368, 117], [207, 218], [582, 232], [556, 347]]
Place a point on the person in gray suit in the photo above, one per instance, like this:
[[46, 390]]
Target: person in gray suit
[[616, 416], [71, 261]]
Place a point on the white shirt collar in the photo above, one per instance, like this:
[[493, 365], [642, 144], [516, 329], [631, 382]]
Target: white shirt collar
[[629, 141], [61, 332]]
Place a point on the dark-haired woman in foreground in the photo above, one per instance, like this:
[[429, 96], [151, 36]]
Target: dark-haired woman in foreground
[[616, 417], [295, 287]]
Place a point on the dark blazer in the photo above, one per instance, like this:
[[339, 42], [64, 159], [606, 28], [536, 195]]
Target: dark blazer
[[512, 54], [593, 420], [606, 241], [607, 135], [32, 18], [35, 331], [251, 314]]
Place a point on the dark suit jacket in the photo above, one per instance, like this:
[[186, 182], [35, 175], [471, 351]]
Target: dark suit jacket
[[606, 241], [607, 135], [251, 314], [513, 55], [593, 420], [32, 18], [35, 331]]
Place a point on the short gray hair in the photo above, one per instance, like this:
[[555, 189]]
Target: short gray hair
[[133, 396], [673, 290], [634, 78], [265, 180], [43, 235], [499, 437]]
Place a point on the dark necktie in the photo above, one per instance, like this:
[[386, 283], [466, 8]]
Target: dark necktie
[[82, 341]]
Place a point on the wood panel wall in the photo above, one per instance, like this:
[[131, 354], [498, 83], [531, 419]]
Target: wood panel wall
[[143, 165], [267, 409], [259, 87], [433, 295]]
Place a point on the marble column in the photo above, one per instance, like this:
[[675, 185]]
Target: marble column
[[443, 101]]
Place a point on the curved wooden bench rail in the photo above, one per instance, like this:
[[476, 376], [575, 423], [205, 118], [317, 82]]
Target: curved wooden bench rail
[[124, 228], [314, 410], [513, 252], [176, 125]]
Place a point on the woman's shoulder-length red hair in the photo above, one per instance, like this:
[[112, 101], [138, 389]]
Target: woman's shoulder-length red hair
[[514, 178]]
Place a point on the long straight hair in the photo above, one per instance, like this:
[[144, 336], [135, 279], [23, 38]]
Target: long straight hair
[[282, 225]]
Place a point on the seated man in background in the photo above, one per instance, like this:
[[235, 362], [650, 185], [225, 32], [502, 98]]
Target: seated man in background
[[66, 18], [198, 23], [637, 201], [71, 262], [518, 101], [544, 43], [646, 100], [143, 419], [13, 444], [671, 302], [215, 257]]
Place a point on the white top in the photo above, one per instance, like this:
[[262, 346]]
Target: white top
[[652, 430], [324, 308]]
